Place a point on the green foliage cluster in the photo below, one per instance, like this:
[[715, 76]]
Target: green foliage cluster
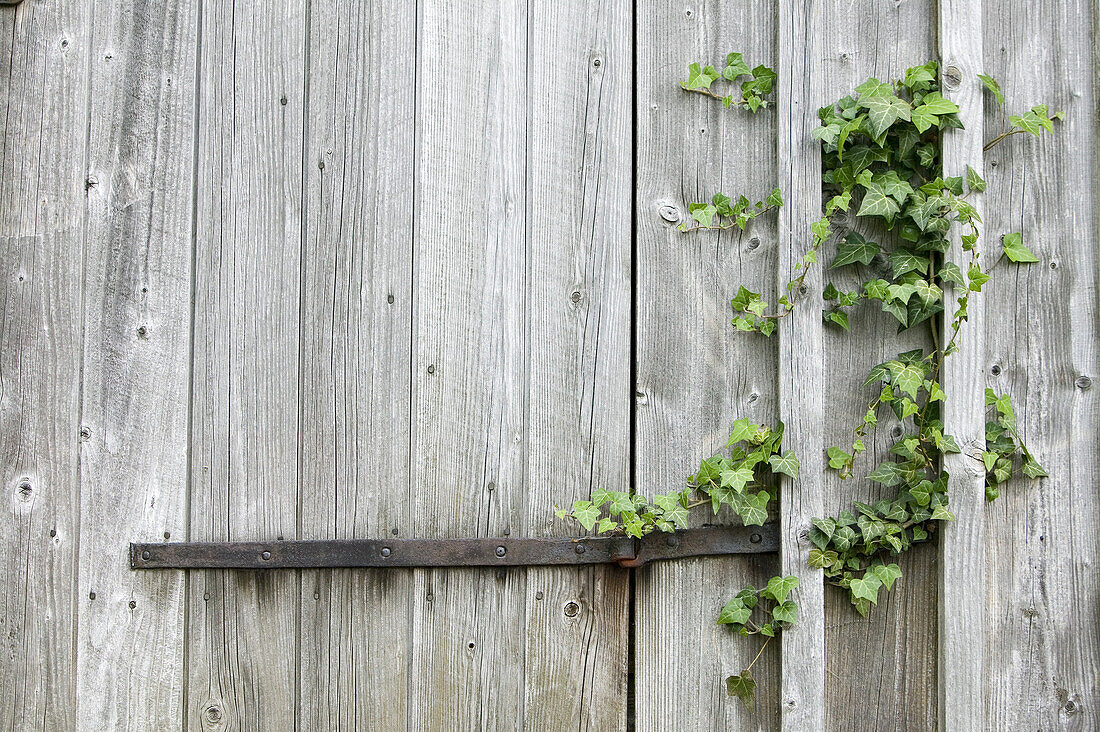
[[1003, 446], [722, 212], [881, 167], [737, 613], [753, 89], [740, 481]]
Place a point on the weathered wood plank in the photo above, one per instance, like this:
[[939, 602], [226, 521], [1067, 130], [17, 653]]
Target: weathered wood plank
[[801, 362], [43, 98], [136, 370], [519, 389], [468, 376], [895, 638], [356, 329], [1042, 638], [962, 543], [578, 250], [242, 633], [695, 373]]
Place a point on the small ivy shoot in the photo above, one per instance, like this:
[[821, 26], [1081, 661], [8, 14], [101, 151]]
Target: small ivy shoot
[[741, 480], [752, 91], [773, 611]]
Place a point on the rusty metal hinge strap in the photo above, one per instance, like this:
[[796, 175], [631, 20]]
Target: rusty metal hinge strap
[[503, 552]]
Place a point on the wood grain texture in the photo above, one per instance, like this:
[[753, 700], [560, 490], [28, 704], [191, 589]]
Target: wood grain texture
[[900, 694], [578, 252], [519, 387], [356, 330], [1042, 628], [801, 359], [242, 635], [136, 370], [43, 108], [963, 542], [695, 373], [468, 368]]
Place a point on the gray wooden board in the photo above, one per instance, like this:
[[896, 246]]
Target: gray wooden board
[[136, 370], [962, 580], [578, 253], [519, 391], [43, 97], [900, 693], [695, 373], [801, 363], [356, 330], [1040, 600], [242, 636]]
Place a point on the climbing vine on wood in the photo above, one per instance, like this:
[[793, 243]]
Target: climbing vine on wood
[[882, 172]]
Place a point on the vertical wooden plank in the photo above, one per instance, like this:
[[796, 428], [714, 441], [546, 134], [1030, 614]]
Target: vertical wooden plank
[[695, 373], [1043, 321], [356, 328], [469, 357], [579, 183], [963, 541], [895, 637], [136, 375], [801, 362], [242, 629], [43, 98], [519, 398]]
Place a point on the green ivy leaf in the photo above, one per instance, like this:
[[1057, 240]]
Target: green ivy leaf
[[779, 587], [743, 429], [866, 588], [974, 181], [1015, 249], [888, 474], [1033, 469], [837, 458], [787, 463], [786, 612], [699, 77], [992, 85], [743, 687], [886, 573], [753, 509], [586, 514], [883, 110], [703, 213], [735, 66], [822, 558], [855, 248], [877, 202], [734, 612]]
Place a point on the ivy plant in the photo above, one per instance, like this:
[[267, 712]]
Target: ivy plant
[[779, 612], [741, 480], [881, 171]]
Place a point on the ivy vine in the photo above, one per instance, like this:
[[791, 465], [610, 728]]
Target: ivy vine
[[881, 164]]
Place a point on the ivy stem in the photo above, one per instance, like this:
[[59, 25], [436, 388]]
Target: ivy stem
[[719, 97], [1002, 136], [759, 653], [724, 227]]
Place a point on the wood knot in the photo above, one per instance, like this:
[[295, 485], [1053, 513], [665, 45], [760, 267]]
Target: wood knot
[[1083, 382], [668, 212], [571, 609], [952, 77]]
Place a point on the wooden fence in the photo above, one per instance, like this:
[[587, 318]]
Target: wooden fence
[[324, 269]]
